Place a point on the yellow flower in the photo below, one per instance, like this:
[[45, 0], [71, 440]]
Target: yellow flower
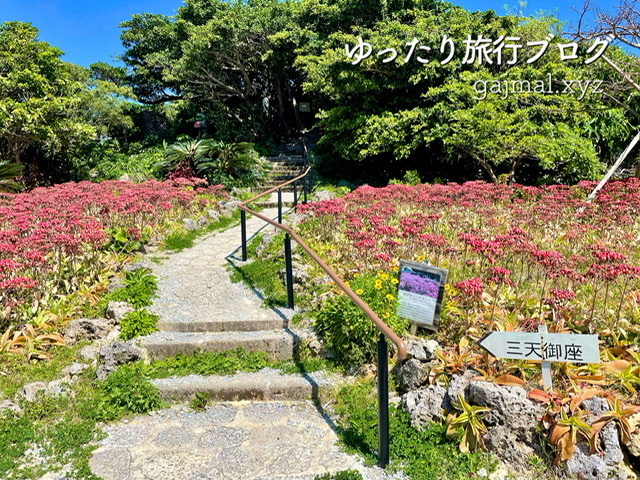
[[359, 291], [384, 276], [396, 268], [421, 258], [378, 285], [386, 315], [394, 281], [389, 296]]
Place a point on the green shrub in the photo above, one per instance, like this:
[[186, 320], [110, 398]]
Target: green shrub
[[124, 392], [112, 165], [140, 286], [424, 454], [347, 331], [138, 323], [411, 177], [121, 239]]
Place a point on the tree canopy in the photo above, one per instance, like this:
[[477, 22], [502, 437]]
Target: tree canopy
[[374, 75], [248, 65], [51, 111]]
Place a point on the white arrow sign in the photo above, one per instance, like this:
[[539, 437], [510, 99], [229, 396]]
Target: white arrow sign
[[551, 347]]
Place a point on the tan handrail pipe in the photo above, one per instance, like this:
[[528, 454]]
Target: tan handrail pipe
[[383, 327]]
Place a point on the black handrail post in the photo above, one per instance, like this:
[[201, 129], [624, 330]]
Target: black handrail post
[[304, 190], [383, 402], [279, 205], [243, 230], [289, 270], [295, 193]]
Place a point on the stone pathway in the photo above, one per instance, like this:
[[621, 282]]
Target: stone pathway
[[233, 441], [247, 440], [194, 284]]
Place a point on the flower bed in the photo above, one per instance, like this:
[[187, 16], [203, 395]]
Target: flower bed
[[52, 239], [517, 256]]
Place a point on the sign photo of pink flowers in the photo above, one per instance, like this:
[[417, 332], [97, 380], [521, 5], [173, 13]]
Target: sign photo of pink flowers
[[420, 292]]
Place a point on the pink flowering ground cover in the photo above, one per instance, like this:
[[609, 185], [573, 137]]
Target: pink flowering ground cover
[[517, 256], [414, 283], [61, 240]]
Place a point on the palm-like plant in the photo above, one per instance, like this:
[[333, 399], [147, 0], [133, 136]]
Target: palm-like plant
[[8, 171], [219, 162], [233, 163], [469, 420], [188, 152], [232, 158]]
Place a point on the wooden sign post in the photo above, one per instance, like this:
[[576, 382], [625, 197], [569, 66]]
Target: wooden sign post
[[544, 346]]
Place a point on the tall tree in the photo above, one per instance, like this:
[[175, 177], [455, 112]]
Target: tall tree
[[51, 111], [37, 94], [392, 106]]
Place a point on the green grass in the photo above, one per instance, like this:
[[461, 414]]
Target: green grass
[[59, 427], [421, 455], [16, 371], [206, 363], [343, 475], [227, 363], [181, 239], [306, 365], [263, 273]]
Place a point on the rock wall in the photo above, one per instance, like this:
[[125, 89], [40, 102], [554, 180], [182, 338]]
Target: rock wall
[[515, 430]]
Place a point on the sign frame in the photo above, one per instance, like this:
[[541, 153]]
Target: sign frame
[[527, 346], [414, 306], [546, 354]]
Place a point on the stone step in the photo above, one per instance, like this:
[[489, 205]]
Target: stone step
[[295, 171], [287, 159], [272, 204], [277, 344], [223, 325], [265, 385], [280, 177]]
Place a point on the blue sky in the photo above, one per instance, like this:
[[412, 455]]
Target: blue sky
[[88, 30]]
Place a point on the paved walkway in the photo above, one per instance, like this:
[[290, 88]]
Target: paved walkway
[[235, 440], [194, 284]]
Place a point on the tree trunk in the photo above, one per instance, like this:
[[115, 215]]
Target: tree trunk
[[615, 166], [513, 171], [484, 164], [296, 114], [281, 113]]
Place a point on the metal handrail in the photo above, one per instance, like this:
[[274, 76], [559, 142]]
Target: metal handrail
[[382, 326]]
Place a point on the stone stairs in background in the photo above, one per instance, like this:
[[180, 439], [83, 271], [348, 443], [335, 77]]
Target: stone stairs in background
[[283, 168]]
